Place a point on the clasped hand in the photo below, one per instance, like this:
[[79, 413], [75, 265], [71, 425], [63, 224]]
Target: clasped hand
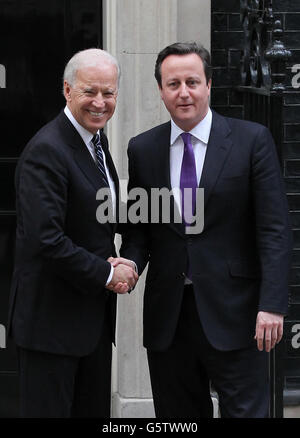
[[124, 277]]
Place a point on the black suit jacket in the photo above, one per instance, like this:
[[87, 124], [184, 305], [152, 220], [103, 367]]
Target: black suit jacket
[[239, 263], [58, 298]]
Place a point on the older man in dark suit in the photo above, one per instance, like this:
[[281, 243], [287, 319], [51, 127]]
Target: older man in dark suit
[[62, 316], [209, 294]]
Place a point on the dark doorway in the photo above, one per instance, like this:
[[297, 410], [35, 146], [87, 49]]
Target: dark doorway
[[37, 38]]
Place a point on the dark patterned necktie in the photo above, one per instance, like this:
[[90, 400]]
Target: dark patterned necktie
[[188, 180], [99, 157]]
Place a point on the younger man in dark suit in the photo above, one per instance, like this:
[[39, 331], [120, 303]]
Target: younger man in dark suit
[[209, 294]]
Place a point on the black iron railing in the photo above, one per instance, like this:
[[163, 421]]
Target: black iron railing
[[263, 75]]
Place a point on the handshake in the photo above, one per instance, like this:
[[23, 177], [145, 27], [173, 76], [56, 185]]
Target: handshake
[[124, 277]]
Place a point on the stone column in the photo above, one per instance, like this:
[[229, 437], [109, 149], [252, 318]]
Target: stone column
[[135, 31]]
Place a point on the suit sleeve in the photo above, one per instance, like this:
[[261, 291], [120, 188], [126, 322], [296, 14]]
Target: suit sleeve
[[135, 240], [273, 231], [42, 192]]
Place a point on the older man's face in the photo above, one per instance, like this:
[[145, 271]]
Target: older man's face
[[92, 99]]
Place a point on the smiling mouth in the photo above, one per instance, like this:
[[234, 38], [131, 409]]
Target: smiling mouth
[[95, 114]]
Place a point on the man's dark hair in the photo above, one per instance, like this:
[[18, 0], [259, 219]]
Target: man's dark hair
[[184, 49]]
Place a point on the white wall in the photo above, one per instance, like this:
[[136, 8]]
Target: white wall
[[135, 31]]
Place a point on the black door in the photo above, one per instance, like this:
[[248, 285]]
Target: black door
[[36, 39]]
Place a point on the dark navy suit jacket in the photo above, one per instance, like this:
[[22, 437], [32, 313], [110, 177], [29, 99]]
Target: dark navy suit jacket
[[58, 299], [239, 263]]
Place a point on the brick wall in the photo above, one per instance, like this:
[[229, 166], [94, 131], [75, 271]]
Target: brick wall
[[226, 43]]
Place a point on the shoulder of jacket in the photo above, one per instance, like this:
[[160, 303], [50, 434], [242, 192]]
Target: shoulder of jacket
[[153, 132], [247, 125]]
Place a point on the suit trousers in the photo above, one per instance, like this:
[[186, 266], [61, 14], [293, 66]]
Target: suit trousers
[[58, 386], [182, 375]]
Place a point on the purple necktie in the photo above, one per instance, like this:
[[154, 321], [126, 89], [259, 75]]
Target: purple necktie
[[188, 179]]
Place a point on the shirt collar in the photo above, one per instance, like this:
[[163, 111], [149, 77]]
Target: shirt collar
[[84, 133], [200, 131]]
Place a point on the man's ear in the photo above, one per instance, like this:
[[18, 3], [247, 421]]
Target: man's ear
[[160, 91], [67, 91], [209, 86]]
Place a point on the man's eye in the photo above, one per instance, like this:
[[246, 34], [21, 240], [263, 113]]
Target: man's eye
[[192, 83]]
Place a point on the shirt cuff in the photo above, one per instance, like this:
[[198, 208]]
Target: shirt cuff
[[135, 266], [110, 275]]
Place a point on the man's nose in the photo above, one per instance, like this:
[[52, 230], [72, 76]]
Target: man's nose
[[183, 90], [98, 101]]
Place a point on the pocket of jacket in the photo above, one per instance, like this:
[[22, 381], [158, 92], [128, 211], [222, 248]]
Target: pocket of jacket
[[245, 269]]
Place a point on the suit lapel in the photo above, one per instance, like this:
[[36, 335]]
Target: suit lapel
[[113, 173], [81, 154], [162, 171], [83, 157], [218, 147], [109, 161], [87, 165], [162, 157]]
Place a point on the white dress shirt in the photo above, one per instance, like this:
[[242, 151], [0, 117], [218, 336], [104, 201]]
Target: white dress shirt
[[87, 139], [199, 137]]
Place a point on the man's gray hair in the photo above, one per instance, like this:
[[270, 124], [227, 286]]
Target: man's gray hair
[[86, 58]]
